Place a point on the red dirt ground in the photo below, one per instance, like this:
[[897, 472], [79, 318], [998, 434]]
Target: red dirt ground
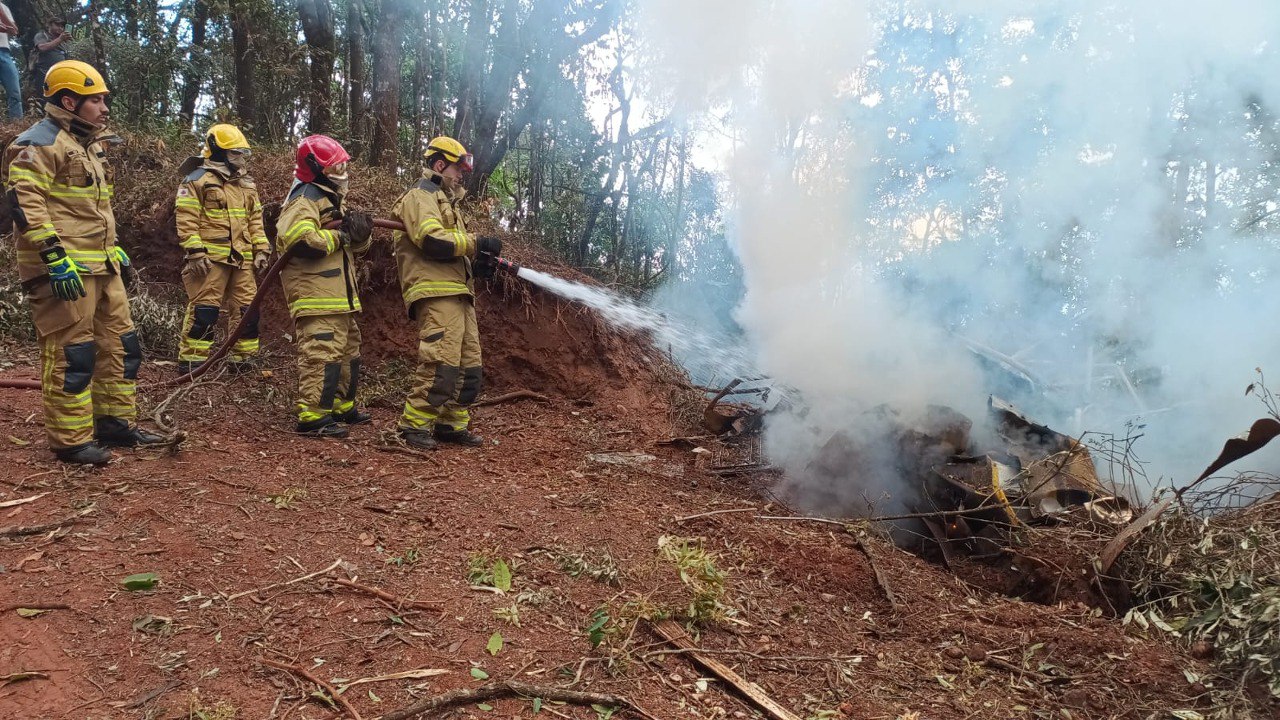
[[248, 505]]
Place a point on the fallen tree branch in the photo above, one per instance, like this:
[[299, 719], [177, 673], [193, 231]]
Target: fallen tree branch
[[1038, 676], [753, 656], [713, 512], [506, 688], [334, 566], [397, 601], [517, 395], [881, 580], [302, 672], [671, 631], [19, 531]]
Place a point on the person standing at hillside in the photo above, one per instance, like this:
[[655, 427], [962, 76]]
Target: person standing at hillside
[[438, 261], [9, 77], [50, 49], [320, 286], [219, 220], [59, 191]]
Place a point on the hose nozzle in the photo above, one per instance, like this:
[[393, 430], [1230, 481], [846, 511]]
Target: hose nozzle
[[507, 266]]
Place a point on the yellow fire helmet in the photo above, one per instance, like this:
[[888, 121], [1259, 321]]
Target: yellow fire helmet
[[226, 137], [451, 149], [79, 77]]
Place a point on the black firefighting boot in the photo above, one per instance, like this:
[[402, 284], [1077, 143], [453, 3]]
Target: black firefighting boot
[[114, 432], [353, 417], [186, 367], [417, 439], [90, 453], [446, 434], [325, 427]]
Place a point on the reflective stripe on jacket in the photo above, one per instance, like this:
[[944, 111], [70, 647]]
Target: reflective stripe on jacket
[[218, 214], [60, 186], [320, 278], [434, 253]]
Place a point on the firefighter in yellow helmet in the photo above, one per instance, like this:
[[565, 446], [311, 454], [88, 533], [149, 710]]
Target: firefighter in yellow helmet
[[219, 219], [438, 261], [72, 271], [320, 286]]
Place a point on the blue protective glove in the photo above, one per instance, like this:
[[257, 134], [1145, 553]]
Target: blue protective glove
[[64, 273]]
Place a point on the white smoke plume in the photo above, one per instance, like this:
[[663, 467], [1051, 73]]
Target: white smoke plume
[[1066, 182]]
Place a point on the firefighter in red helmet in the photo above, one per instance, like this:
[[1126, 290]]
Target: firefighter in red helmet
[[320, 286]]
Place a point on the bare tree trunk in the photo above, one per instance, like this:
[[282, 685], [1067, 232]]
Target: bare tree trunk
[[388, 49], [244, 60], [317, 28], [616, 160], [549, 46], [355, 75], [473, 67], [193, 74], [99, 38]]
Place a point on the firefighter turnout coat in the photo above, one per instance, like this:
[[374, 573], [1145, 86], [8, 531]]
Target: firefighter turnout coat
[[219, 215], [59, 187], [433, 258]]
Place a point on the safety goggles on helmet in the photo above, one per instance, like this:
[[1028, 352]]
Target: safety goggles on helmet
[[467, 162]]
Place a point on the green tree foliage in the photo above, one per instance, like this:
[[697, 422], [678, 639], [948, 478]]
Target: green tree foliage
[[541, 92]]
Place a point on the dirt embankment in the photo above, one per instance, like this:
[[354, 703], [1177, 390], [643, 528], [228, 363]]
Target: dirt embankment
[[597, 525], [531, 340]]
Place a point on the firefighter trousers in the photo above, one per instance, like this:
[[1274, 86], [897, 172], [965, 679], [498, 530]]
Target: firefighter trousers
[[328, 365], [449, 372], [89, 357], [228, 287]]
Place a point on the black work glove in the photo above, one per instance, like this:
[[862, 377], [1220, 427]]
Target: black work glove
[[357, 227], [488, 250]]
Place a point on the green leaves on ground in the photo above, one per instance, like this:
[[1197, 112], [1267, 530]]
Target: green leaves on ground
[[140, 581], [495, 643], [501, 575], [479, 674]]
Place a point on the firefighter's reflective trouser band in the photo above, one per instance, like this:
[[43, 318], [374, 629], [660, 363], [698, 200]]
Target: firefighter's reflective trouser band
[[328, 365], [223, 287], [449, 374], [89, 357]]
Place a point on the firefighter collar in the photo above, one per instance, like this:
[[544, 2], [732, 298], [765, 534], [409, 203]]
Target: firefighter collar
[[433, 182], [84, 133]]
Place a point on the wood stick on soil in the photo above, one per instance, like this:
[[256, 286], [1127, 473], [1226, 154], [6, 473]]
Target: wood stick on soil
[[148, 697], [334, 566], [302, 672], [714, 512], [517, 395], [35, 606], [881, 580], [19, 531], [397, 601], [1037, 676], [22, 501], [671, 631], [506, 688]]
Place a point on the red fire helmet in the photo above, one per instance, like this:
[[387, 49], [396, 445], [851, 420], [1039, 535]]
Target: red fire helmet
[[315, 153]]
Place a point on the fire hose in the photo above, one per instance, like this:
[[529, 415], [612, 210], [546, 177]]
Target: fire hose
[[250, 313]]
